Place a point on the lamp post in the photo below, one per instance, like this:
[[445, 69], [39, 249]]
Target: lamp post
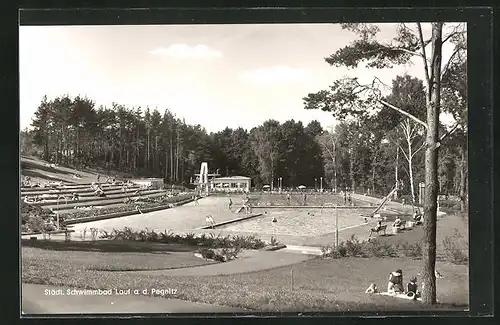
[[315, 186], [280, 181], [336, 222], [321, 184]]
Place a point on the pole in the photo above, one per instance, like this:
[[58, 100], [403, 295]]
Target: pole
[[321, 184], [337, 223]]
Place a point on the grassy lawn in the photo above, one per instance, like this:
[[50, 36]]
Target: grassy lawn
[[319, 285], [49, 256]]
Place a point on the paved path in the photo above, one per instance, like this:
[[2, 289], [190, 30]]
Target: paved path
[[249, 261], [35, 301]]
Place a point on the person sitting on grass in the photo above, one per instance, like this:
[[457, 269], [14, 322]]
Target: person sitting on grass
[[397, 223], [412, 288], [378, 226], [395, 284], [75, 197]]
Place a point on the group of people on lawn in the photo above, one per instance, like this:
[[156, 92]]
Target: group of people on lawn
[[395, 285]]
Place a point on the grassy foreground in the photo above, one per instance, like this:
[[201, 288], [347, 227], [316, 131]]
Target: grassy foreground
[[318, 284]]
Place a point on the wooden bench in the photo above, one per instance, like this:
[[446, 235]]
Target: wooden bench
[[377, 230]]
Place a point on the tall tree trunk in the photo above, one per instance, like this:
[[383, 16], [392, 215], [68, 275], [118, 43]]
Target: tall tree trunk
[[272, 172], [463, 180], [177, 162], [373, 172], [351, 171], [431, 168], [166, 164], [147, 164], [396, 194], [155, 160], [410, 166]]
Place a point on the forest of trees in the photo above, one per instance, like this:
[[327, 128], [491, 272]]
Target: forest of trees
[[366, 157]]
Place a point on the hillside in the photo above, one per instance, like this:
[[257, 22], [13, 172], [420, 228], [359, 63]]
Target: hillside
[[40, 171]]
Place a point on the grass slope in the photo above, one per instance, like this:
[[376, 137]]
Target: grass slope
[[38, 171]]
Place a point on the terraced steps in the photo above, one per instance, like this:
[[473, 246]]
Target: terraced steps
[[53, 195], [102, 203], [91, 200], [29, 190]]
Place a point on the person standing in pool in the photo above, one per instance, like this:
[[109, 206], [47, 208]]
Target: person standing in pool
[[230, 204]]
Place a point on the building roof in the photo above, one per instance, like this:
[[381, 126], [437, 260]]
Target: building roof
[[232, 178]]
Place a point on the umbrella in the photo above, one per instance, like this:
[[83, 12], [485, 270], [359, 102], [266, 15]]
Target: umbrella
[[266, 186], [301, 187]]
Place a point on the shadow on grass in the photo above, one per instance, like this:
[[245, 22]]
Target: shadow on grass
[[108, 246]]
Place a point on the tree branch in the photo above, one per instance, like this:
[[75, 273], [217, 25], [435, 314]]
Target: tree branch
[[404, 153], [409, 52], [450, 60], [453, 34], [444, 136], [420, 148], [422, 44], [403, 112]]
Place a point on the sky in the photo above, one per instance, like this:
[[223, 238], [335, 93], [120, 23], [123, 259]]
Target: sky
[[214, 75]]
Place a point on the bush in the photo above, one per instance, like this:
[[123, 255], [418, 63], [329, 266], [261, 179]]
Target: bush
[[376, 248], [334, 251], [410, 250], [191, 239], [207, 253], [456, 248], [354, 247], [225, 254], [373, 248]]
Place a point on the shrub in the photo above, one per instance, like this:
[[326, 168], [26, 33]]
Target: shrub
[[354, 247], [191, 239], [207, 253], [410, 250], [376, 248], [456, 248], [334, 251], [230, 253]]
